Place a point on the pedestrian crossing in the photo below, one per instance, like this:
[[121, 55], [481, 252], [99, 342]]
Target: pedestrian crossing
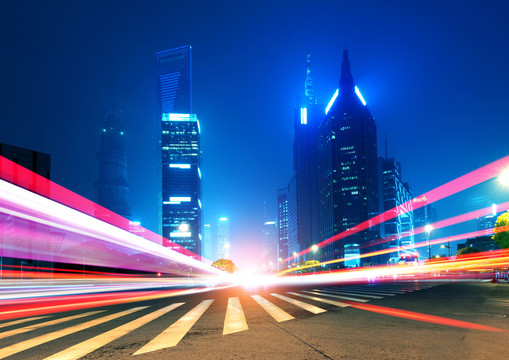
[[280, 307]]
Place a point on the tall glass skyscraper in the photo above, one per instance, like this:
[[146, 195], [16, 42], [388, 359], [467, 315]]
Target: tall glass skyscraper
[[180, 145], [348, 169], [112, 187]]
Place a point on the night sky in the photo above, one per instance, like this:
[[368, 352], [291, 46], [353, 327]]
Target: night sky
[[434, 75]]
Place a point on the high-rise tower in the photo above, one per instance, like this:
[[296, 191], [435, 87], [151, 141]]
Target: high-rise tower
[[308, 116], [180, 146], [348, 186], [112, 187]]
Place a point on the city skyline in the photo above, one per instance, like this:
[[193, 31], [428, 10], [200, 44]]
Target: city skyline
[[246, 84]]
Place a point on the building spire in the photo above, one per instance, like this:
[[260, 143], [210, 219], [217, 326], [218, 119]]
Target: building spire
[[346, 80], [309, 80]]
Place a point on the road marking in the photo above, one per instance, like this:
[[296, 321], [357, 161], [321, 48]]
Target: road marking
[[349, 293], [380, 291], [367, 292], [336, 296], [28, 344], [277, 313], [301, 304], [172, 335], [43, 324], [327, 301], [16, 322], [234, 320], [79, 350]]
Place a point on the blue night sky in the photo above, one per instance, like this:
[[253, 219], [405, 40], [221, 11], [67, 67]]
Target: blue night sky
[[434, 75]]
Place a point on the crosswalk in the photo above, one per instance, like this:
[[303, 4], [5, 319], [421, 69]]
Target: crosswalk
[[279, 306]]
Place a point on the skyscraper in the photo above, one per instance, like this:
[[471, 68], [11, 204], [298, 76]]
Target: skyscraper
[[282, 222], [112, 187], [180, 144], [223, 238], [270, 245], [308, 117], [347, 160], [395, 195]]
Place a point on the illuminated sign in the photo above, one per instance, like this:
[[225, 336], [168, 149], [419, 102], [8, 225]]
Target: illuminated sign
[[331, 101], [303, 116]]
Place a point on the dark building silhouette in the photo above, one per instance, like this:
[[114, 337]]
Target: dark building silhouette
[[308, 117], [348, 169], [112, 187], [39, 163], [180, 151]]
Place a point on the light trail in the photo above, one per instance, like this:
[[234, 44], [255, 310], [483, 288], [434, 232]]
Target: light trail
[[452, 187], [405, 314]]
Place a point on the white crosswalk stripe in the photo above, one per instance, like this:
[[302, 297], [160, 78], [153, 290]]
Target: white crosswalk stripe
[[350, 293], [277, 313], [44, 324], [326, 301], [16, 322], [86, 347], [172, 335], [234, 320], [335, 296], [301, 304], [27, 344], [365, 292]]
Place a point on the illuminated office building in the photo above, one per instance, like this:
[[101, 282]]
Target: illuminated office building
[[282, 222], [180, 144], [270, 245], [348, 169], [395, 195], [223, 238]]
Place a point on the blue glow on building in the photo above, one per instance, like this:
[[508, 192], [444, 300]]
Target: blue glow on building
[[181, 166], [303, 116], [357, 91], [332, 101]]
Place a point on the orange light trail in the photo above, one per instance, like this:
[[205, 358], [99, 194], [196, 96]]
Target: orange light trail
[[405, 314]]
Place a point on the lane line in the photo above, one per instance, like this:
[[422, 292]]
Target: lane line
[[327, 301], [234, 320], [172, 335], [79, 350], [349, 293], [301, 304], [336, 296], [44, 324], [16, 322], [367, 292], [28, 344], [276, 312]]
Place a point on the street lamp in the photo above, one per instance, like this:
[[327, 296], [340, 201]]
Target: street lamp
[[315, 249], [448, 246], [428, 229]]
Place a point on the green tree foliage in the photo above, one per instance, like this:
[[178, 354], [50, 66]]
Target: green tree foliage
[[467, 250], [225, 265], [501, 236]]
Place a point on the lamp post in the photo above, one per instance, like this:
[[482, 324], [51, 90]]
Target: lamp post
[[448, 246], [315, 249], [428, 229]]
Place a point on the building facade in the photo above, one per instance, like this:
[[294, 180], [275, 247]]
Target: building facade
[[223, 238], [180, 145], [395, 195], [270, 245], [347, 169], [308, 117], [112, 187], [282, 223]]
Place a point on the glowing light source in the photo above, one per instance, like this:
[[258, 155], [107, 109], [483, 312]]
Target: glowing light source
[[357, 91], [314, 248], [179, 117], [494, 209], [428, 228], [504, 177], [223, 219], [181, 166], [184, 227], [303, 116], [331, 101]]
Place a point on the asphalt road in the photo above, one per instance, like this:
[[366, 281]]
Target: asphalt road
[[405, 320]]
